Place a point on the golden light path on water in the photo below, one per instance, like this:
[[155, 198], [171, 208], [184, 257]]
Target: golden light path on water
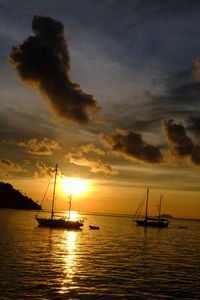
[[69, 260], [73, 215], [70, 186]]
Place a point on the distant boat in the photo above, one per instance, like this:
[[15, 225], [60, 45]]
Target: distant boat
[[152, 221], [57, 221], [94, 227]]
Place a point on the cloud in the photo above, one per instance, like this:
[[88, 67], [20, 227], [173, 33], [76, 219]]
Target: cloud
[[95, 166], [131, 146], [7, 167], [43, 147], [142, 95], [80, 157], [177, 97], [42, 61], [180, 148], [177, 137], [196, 71], [27, 162], [91, 148], [194, 125], [180, 143], [43, 170]]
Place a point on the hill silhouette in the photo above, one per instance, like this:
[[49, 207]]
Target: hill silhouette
[[12, 198]]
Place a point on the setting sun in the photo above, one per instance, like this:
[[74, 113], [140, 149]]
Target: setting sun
[[74, 186]]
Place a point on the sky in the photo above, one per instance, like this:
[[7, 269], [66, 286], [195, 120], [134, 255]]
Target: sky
[[108, 90]]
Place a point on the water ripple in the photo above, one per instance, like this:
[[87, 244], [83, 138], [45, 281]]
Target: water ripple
[[119, 261]]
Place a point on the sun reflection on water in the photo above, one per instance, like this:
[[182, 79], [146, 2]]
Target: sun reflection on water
[[73, 215], [69, 260]]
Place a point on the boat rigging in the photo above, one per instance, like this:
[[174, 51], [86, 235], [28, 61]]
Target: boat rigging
[[152, 221], [57, 221]]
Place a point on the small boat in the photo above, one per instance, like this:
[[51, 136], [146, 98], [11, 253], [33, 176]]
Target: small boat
[[94, 227], [59, 221], [152, 221]]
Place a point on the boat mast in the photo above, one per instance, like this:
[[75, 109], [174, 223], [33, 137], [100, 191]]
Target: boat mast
[[54, 192], [147, 200], [159, 211], [70, 203]]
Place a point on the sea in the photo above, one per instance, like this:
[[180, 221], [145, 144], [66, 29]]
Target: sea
[[119, 261]]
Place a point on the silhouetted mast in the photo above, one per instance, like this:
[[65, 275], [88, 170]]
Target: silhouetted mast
[[159, 211], [146, 214], [54, 192], [70, 203]]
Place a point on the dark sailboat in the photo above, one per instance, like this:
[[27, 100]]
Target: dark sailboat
[[152, 221], [57, 221]]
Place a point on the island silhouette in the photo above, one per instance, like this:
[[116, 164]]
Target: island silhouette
[[14, 199]]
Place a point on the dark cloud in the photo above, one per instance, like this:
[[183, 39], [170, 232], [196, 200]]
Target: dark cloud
[[42, 61], [196, 71], [180, 142], [185, 93], [180, 148], [194, 125], [132, 146], [177, 137]]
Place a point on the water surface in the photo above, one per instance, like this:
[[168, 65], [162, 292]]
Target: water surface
[[119, 261]]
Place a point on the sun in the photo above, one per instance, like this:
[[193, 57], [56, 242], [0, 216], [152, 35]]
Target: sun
[[74, 186]]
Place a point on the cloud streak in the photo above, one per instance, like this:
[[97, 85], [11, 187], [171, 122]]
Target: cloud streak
[[7, 167], [43, 170], [80, 157], [43, 147], [42, 61]]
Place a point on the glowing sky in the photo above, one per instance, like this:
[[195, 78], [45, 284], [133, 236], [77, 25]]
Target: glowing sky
[[108, 90]]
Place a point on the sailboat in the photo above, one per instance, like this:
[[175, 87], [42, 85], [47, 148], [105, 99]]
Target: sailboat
[[152, 221], [57, 221]]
